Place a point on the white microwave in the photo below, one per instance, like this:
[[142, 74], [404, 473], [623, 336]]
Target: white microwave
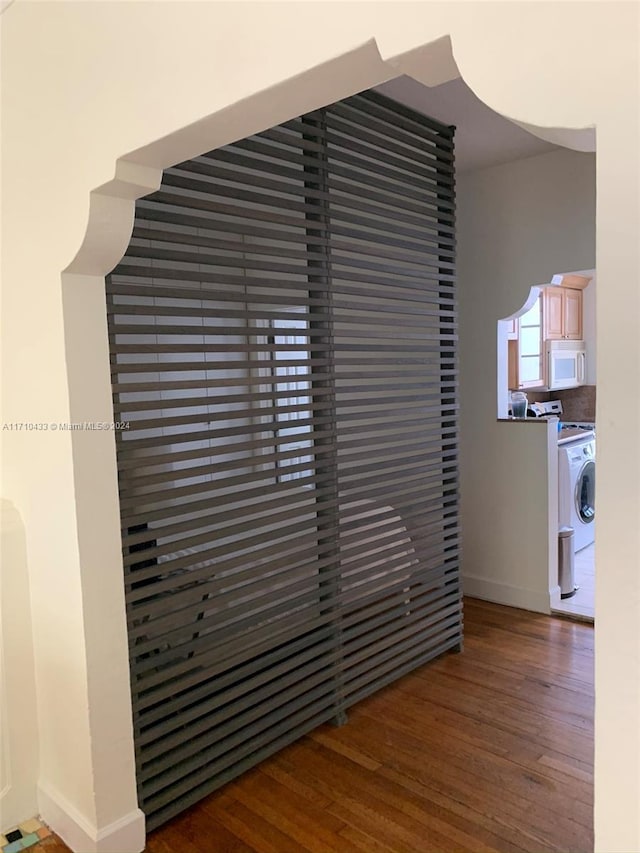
[[566, 364]]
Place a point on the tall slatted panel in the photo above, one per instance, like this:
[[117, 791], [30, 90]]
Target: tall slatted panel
[[282, 333], [391, 211]]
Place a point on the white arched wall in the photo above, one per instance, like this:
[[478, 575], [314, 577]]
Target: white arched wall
[[145, 85]]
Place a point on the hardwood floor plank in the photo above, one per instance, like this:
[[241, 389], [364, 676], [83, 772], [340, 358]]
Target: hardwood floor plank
[[489, 750], [495, 816], [397, 830], [485, 615], [262, 836], [489, 725], [400, 737], [364, 841], [214, 833], [383, 795], [295, 784], [487, 674], [481, 715], [492, 739], [426, 759], [314, 829], [526, 717], [320, 736], [568, 768], [188, 833]]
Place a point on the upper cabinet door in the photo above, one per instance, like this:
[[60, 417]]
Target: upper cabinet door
[[552, 311], [562, 313], [572, 300]]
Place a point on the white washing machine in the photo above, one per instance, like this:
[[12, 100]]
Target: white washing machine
[[576, 489]]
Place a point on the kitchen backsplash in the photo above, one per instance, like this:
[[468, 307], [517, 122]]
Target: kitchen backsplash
[[578, 404]]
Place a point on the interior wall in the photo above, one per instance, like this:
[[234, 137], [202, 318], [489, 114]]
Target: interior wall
[[509, 499], [92, 81], [539, 216], [18, 720]]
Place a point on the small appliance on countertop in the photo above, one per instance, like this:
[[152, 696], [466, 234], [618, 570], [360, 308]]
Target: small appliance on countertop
[[544, 410]]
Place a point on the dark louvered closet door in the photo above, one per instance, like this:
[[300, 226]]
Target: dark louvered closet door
[[282, 335], [392, 266]]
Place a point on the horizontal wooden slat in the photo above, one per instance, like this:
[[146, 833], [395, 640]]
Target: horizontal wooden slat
[[307, 403], [429, 292], [378, 429], [366, 211], [165, 272], [416, 380], [216, 725], [373, 150], [174, 510], [413, 439], [275, 731], [411, 188], [347, 330], [417, 151], [208, 216], [165, 611], [177, 194], [218, 656], [254, 524], [291, 182], [216, 672], [313, 649], [261, 147], [398, 123], [252, 257]]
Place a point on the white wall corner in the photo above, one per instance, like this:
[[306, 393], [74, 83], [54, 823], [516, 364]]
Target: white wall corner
[[503, 593], [125, 835]]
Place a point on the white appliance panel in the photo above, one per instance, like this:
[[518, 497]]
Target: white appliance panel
[[576, 489]]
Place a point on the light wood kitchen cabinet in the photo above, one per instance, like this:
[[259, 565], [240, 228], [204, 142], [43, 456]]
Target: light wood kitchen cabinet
[[573, 314], [562, 314]]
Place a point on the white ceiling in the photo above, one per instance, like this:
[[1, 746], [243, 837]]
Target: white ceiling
[[483, 137]]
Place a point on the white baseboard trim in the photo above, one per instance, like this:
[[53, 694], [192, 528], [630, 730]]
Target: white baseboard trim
[[125, 835], [502, 593]]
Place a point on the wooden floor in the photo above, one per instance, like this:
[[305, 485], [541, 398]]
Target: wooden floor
[[490, 750]]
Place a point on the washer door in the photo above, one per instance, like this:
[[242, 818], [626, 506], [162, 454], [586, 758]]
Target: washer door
[[585, 494]]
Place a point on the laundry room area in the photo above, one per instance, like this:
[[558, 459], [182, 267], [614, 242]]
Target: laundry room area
[[551, 376], [576, 511]]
